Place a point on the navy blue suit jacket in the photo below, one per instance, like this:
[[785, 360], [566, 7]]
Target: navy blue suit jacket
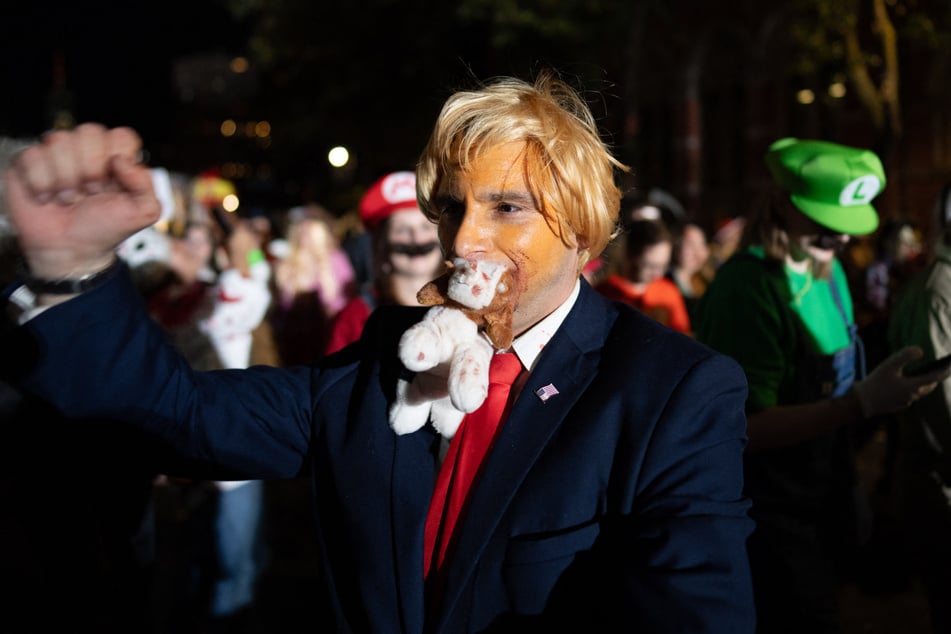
[[615, 505]]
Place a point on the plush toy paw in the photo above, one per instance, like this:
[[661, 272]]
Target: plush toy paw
[[433, 340]]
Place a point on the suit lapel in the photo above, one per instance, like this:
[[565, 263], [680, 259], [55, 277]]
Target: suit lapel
[[570, 363]]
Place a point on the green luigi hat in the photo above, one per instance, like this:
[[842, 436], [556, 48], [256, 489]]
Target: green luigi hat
[[832, 184]]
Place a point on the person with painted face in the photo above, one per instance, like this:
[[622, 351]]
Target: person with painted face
[[781, 307], [610, 494], [405, 254]]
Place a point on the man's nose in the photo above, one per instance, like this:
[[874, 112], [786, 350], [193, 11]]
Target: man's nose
[[471, 233]]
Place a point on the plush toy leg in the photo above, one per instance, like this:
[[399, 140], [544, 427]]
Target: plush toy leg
[[446, 418], [469, 375], [408, 412]]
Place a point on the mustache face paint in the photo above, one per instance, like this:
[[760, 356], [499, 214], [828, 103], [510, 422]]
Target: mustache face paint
[[413, 250]]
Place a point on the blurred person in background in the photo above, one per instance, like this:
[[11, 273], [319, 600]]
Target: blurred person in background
[[9, 249], [243, 296], [406, 254], [782, 307], [640, 281], [897, 253], [357, 241], [690, 267], [726, 240], [209, 289], [313, 282], [898, 256], [921, 316]]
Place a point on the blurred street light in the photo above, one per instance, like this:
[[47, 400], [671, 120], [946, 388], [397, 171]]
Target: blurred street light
[[338, 156]]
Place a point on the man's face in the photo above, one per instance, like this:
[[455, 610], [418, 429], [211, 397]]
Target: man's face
[[488, 213]]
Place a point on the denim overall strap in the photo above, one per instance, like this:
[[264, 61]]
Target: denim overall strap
[[860, 368], [830, 375]]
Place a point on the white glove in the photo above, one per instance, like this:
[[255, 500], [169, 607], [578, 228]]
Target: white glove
[[887, 390]]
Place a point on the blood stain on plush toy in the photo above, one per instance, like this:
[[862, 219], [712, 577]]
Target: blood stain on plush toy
[[480, 289]]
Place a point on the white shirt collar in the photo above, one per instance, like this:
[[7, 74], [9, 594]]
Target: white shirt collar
[[531, 343]]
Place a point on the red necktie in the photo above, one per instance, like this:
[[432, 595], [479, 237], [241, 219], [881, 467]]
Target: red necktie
[[466, 452]]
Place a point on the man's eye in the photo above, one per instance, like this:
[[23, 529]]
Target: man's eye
[[506, 208], [452, 208]]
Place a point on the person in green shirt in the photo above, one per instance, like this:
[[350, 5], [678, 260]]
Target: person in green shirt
[[781, 307]]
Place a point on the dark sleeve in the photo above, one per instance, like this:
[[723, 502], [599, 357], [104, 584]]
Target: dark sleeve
[[99, 357]]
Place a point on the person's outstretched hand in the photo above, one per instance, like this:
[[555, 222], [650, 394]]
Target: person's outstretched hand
[[887, 390], [75, 195]]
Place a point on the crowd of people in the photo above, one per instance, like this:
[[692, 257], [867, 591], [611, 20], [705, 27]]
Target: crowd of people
[[677, 452]]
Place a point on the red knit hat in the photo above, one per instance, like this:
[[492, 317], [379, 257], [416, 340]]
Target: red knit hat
[[391, 193]]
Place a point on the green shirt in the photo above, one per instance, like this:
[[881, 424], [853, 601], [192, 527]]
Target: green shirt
[[759, 312]]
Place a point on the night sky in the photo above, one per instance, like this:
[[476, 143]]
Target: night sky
[[116, 58]]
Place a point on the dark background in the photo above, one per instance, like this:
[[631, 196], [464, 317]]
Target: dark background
[[688, 93]]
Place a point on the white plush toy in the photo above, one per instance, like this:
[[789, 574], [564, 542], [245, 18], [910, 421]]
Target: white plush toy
[[240, 303], [450, 349], [240, 306]]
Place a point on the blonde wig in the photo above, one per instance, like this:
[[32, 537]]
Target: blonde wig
[[570, 170]]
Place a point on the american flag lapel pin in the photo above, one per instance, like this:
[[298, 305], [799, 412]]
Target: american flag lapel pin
[[546, 392]]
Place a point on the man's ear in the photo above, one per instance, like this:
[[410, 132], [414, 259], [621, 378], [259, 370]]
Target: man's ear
[[429, 295], [583, 245], [584, 255]]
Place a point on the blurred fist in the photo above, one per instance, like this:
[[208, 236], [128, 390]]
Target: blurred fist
[[75, 196]]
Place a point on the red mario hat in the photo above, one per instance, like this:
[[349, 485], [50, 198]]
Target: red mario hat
[[391, 193]]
